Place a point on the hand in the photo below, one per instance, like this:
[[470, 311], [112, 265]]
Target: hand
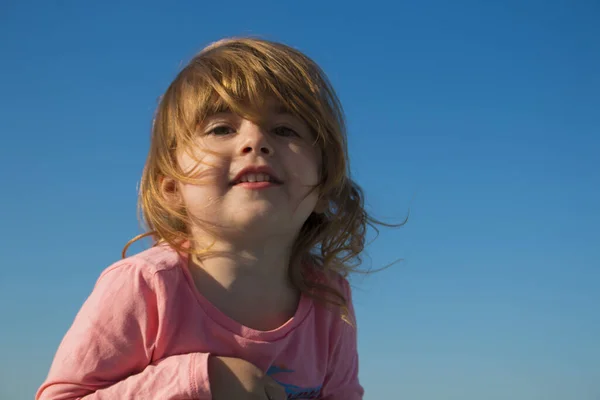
[[237, 379]]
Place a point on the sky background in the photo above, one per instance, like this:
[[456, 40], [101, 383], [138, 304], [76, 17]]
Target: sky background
[[482, 118]]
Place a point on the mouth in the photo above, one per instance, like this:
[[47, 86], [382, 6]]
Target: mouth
[[256, 175]]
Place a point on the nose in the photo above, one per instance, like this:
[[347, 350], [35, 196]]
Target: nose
[[254, 140]]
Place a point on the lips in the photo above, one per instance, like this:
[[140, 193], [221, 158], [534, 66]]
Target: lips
[[256, 174]]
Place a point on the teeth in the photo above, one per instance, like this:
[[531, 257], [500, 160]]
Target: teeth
[[255, 178]]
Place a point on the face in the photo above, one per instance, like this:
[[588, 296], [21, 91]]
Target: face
[[253, 181]]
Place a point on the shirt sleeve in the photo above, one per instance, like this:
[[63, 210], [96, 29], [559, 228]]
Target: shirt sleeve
[[341, 382], [107, 352]]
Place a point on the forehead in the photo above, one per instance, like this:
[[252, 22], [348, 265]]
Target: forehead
[[257, 111]]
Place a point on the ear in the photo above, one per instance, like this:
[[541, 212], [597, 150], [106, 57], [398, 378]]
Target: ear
[[170, 191]]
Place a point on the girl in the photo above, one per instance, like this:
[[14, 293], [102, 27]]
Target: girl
[[256, 222]]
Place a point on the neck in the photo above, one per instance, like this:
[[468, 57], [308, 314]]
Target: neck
[[266, 260], [249, 283]]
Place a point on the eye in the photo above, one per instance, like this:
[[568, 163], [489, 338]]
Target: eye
[[284, 131], [220, 130]]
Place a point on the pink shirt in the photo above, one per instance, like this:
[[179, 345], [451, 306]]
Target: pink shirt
[[145, 332]]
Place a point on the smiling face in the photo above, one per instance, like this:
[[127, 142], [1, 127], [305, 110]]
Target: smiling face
[[252, 179], [224, 159]]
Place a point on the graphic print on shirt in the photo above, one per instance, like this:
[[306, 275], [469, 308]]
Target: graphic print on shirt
[[293, 392]]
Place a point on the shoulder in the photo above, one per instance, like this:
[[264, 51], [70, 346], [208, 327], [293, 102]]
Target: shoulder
[[330, 286], [159, 261], [331, 279]]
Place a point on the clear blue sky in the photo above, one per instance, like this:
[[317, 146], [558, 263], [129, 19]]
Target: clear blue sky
[[481, 117]]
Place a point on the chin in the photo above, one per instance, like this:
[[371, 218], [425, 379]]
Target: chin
[[261, 221], [257, 219]]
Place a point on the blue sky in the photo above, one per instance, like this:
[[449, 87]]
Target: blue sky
[[481, 117]]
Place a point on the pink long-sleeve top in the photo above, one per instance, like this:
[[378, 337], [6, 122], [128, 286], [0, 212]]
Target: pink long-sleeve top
[[145, 332]]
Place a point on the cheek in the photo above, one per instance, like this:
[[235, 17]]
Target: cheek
[[312, 174], [206, 168], [201, 201], [209, 176], [306, 162]]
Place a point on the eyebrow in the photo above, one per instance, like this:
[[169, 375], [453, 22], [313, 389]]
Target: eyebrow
[[281, 109], [223, 108]]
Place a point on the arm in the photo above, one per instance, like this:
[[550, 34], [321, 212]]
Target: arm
[[107, 352], [342, 382]]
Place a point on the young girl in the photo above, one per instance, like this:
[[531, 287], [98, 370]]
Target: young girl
[[256, 222]]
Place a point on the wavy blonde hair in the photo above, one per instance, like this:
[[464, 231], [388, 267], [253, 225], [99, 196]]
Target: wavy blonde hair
[[239, 74]]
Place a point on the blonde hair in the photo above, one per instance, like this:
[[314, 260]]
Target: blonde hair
[[238, 75]]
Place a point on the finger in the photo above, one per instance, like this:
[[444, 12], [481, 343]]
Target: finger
[[273, 393], [274, 390]]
